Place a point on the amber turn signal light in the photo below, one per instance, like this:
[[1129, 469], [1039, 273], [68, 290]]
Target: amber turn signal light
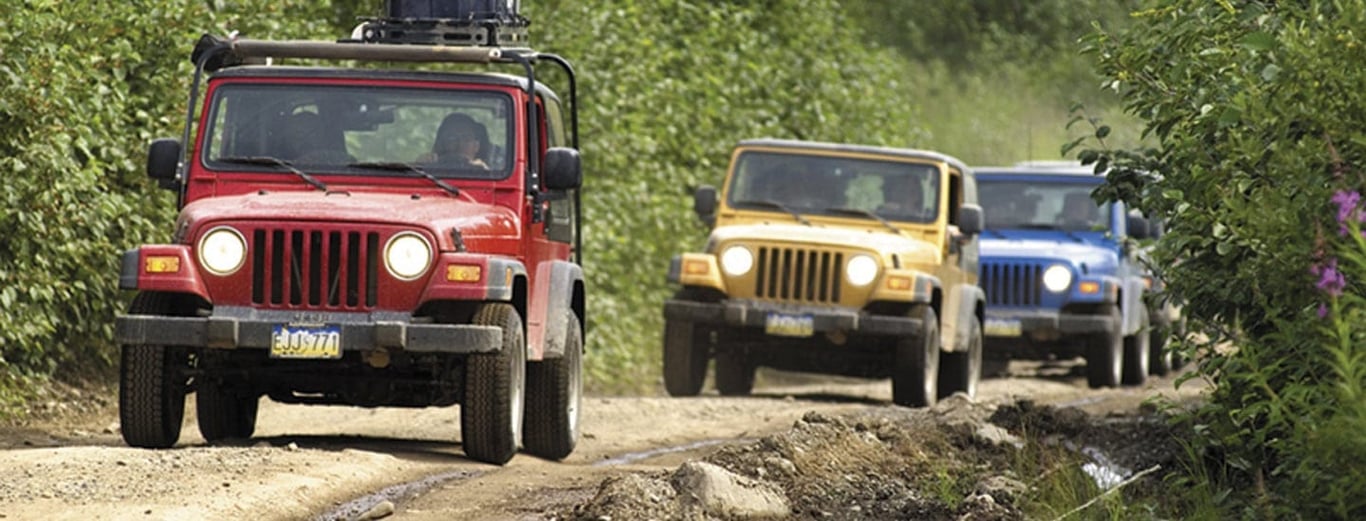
[[463, 273], [161, 264]]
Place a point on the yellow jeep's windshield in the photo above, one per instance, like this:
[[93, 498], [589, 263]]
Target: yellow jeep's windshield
[[835, 186], [351, 130]]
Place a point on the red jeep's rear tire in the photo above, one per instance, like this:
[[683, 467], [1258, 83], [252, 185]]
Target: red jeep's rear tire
[[152, 384], [491, 414], [685, 359], [915, 376], [225, 413], [961, 370], [554, 391]]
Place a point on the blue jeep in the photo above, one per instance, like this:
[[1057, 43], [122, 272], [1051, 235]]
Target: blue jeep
[[1062, 275]]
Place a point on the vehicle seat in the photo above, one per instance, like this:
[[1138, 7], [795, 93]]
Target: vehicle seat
[[307, 140]]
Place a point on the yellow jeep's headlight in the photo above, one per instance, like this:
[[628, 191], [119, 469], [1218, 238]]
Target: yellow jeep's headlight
[[222, 251], [861, 270], [737, 261], [1057, 278], [407, 256]]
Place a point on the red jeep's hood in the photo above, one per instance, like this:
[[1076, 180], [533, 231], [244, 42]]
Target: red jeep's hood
[[435, 213]]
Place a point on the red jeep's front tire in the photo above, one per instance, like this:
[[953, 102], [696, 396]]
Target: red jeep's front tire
[[152, 384], [554, 393], [491, 414]]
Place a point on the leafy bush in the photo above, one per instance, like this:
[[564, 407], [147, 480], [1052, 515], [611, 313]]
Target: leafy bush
[[1256, 122], [78, 112]]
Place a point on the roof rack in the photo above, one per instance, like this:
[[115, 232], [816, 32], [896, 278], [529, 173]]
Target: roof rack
[[463, 23]]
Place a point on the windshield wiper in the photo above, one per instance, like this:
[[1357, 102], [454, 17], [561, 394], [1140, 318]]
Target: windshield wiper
[[275, 161], [865, 213], [406, 167], [777, 205]]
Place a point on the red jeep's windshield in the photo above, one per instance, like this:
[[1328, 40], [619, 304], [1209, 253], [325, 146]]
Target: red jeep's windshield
[[342, 129]]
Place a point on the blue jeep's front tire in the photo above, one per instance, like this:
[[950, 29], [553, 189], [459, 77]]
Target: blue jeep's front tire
[[1105, 354]]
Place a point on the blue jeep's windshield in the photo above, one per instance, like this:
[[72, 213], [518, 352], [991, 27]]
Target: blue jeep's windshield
[[342, 129], [1018, 204], [836, 186]]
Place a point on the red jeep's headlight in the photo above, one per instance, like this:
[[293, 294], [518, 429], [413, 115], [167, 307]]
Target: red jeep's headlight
[[222, 251]]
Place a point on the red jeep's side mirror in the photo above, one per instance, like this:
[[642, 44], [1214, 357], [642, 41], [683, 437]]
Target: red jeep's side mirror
[[163, 160], [563, 169]]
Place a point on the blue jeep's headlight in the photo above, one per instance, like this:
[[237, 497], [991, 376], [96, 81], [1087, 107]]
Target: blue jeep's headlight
[[1057, 278]]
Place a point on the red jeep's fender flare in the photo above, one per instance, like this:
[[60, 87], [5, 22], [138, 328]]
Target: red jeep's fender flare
[[184, 278], [497, 278], [552, 295]]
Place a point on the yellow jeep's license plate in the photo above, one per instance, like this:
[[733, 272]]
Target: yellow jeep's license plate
[[1002, 327], [305, 341], [782, 324]]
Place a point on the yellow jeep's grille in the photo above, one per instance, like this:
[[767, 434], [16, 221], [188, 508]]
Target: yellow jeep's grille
[[796, 274]]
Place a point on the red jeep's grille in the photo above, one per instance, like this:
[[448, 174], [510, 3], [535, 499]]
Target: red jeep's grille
[[315, 268], [798, 275], [1012, 284]]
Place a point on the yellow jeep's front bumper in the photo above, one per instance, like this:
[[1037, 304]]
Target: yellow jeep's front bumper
[[789, 320]]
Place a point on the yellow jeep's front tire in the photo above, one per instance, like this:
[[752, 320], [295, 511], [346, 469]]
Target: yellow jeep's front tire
[[152, 384], [685, 358], [915, 376]]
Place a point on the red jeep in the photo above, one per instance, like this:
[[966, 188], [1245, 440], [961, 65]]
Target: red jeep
[[366, 234]]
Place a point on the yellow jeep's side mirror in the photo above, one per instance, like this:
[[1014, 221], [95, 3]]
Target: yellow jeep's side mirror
[[970, 219], [704, 203]]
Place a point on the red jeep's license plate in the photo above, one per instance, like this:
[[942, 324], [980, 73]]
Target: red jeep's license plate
[[305, 341]]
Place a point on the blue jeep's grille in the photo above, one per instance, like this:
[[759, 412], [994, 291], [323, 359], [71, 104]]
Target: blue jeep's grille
[[1012, 284]]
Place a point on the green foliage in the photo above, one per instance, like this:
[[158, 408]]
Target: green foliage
[[1256, 122], [83, 88]]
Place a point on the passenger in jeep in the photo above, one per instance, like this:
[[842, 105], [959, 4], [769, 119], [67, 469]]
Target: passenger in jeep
[[801, 185], [1079, 212], [460, 141], [902, 197]]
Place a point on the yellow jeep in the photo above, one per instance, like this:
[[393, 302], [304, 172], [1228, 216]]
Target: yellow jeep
[[835, 259]]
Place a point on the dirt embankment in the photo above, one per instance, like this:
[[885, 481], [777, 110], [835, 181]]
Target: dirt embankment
[[805, 449]]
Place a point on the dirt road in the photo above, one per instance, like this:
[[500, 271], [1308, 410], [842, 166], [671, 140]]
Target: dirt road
[[337, 463]]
